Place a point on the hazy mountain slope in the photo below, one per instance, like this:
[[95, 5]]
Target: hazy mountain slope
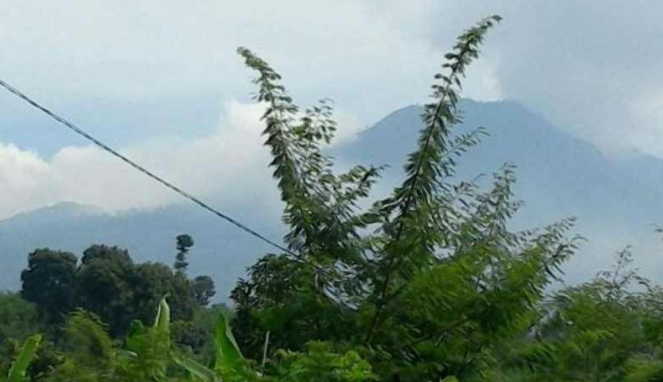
[[616, 200]]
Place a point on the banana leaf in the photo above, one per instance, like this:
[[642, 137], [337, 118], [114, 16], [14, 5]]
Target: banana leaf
[[228, 355], [19, 368], [198, 372]]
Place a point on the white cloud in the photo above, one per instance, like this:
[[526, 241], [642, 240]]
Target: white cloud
[[590, 69], [371, 57], [588, 66], [21, 175], [229, 166]]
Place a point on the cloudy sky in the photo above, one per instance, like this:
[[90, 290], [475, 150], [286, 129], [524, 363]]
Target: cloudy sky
[[160, 79]]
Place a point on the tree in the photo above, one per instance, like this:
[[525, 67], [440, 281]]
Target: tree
[[203, 290], [49, 281], [150, 282], [90, 350], [116, 289], [109, 284], [104, 282], [425, 282], [18, 318], [184, 243], [183, 302], [602, 330]]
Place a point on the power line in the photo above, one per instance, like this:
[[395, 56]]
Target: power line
[[140, 168]]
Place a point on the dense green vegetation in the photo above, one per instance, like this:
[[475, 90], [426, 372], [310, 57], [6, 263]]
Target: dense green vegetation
[[428, 284]]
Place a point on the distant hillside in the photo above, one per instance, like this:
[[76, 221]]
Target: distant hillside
[[552, 166], [617, 200]]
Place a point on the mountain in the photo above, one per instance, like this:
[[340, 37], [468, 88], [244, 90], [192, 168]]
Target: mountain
[[54, 213], [554, 168], [617, 200]]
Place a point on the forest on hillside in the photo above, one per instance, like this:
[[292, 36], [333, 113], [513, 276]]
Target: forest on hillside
[[428, 284]]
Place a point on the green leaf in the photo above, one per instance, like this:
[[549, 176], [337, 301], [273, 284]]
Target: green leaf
[[151, 347], [228, 355], [27, 353], [197, 371], [162, 320]]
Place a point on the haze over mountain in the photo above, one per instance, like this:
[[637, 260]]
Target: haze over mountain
[[616, 200]]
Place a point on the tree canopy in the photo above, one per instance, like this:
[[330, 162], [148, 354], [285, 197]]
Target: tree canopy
[[108, 283]]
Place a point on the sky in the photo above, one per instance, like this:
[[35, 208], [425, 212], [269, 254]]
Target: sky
[[161, 80]]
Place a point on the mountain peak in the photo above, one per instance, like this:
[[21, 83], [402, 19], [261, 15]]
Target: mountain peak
[[60, 210], [73, 208]]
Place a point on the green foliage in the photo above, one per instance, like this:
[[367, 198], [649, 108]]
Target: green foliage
[[91, 355], [19, 368], [184, 243], [103, 285], [321, 363], [426, 282], [49, 281], [18, 318], [602, 330], [86, 339], [229, 358], [109, 284], [90, 352], [149, 349], [196, 336], [197, 371], [203, 290]]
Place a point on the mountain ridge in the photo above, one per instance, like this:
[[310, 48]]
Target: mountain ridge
[[59, 209], [559, 175]]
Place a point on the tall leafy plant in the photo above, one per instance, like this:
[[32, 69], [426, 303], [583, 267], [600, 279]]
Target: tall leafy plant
[[424, 282]]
